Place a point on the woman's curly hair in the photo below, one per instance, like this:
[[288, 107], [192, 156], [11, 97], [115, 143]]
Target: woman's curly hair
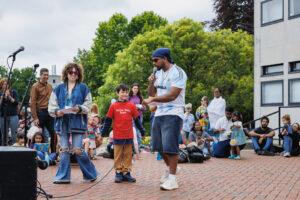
[[69, 67]]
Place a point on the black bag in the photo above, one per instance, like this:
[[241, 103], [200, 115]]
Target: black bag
[[196, 157], [183, 156], [192, 149]]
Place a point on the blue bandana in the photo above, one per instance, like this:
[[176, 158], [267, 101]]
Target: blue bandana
[[163, 52]]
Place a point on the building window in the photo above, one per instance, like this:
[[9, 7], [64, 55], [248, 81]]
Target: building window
[[294, 8], [294, 91], [272, 70], [272, 93], [295, 66], [53, 81], [271, 11]]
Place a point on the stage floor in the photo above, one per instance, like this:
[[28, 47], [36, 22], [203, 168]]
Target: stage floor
[[253, 177]]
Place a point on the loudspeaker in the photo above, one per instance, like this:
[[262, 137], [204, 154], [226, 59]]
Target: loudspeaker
[[18, 173]]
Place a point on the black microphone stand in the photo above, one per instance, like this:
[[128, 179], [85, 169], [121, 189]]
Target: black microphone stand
[[3, 103], [26, 103]]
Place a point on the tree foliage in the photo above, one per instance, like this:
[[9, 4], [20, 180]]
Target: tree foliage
[[111, 37], [222, 59], [234, 15], [19, 79]]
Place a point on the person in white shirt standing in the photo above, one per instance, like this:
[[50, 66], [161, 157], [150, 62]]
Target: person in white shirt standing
[[216, 108], [167, 90]]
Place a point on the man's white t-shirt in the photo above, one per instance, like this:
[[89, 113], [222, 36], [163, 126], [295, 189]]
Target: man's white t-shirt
[[226, 124], [173, 77]]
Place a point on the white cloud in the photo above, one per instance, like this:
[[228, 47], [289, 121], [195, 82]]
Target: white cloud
[[52, 30]]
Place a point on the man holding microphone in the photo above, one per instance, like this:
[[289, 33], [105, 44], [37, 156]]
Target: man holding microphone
[[167, 90]]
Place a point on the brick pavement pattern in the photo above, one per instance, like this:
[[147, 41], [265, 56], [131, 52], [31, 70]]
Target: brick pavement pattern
[[253, 177]]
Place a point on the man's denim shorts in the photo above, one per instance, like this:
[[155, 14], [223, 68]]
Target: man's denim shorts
[[165, 133]]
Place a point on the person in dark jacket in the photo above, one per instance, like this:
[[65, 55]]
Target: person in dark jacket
[[10, 107], [70, 102]]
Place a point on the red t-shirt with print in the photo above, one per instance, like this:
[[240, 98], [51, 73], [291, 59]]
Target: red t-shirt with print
[[122, 114]]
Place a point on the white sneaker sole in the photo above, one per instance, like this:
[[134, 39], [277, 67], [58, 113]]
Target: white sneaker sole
[[169, 189]]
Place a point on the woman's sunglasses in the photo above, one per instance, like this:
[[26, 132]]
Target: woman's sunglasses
[[73, 72]]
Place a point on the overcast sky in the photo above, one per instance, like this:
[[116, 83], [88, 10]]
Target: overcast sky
[[52, 30]]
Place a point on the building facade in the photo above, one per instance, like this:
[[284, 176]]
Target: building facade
[[54, 79], [277, 59]]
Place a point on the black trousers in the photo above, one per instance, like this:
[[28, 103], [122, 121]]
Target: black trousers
[[46, 121]]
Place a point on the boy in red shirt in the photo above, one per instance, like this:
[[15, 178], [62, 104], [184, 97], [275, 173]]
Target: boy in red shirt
[[122, 112]]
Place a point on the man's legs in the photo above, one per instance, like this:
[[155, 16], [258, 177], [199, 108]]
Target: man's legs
[[255, 143], [171, 160], [269, 144], [50, 127]]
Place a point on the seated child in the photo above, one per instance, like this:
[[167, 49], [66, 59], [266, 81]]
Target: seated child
[[42, 148], [90, 140], [286, 134], [20, 140]]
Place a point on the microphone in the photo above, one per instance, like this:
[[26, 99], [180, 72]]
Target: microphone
[[36, 66], [154, 70], [16, 52]]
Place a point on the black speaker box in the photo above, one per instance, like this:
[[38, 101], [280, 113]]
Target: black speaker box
[[18, 173]]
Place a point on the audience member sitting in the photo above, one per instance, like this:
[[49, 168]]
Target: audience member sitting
[[286, 134], [182, 140], [262, 138], [221, 147], [20, 140], [38, 143], [295, 137], [200, 138]]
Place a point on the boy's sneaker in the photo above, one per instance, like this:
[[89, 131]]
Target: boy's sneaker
[[231, 157], [169, 185], [282, 153], [128, 177], [119, 177], [238, 157], [61, 181], [287, 154], [165, 177]]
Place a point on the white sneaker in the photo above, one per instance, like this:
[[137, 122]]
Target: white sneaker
[[287, 154], [169, 185], [165, 177], [178, 169]]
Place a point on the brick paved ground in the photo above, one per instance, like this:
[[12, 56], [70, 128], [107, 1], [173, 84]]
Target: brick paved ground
[[253, 177]]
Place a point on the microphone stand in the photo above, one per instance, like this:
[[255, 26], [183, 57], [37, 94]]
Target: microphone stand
[[3, 103], [26, 104]]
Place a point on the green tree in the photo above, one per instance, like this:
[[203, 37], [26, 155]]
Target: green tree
[[234, 14], [19, 79], [210, 59], [111, 37]]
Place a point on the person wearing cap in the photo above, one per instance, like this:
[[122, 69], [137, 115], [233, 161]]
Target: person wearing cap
[[167, 90]]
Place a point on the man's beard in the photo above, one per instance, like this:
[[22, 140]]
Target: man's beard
[[264, 126]]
